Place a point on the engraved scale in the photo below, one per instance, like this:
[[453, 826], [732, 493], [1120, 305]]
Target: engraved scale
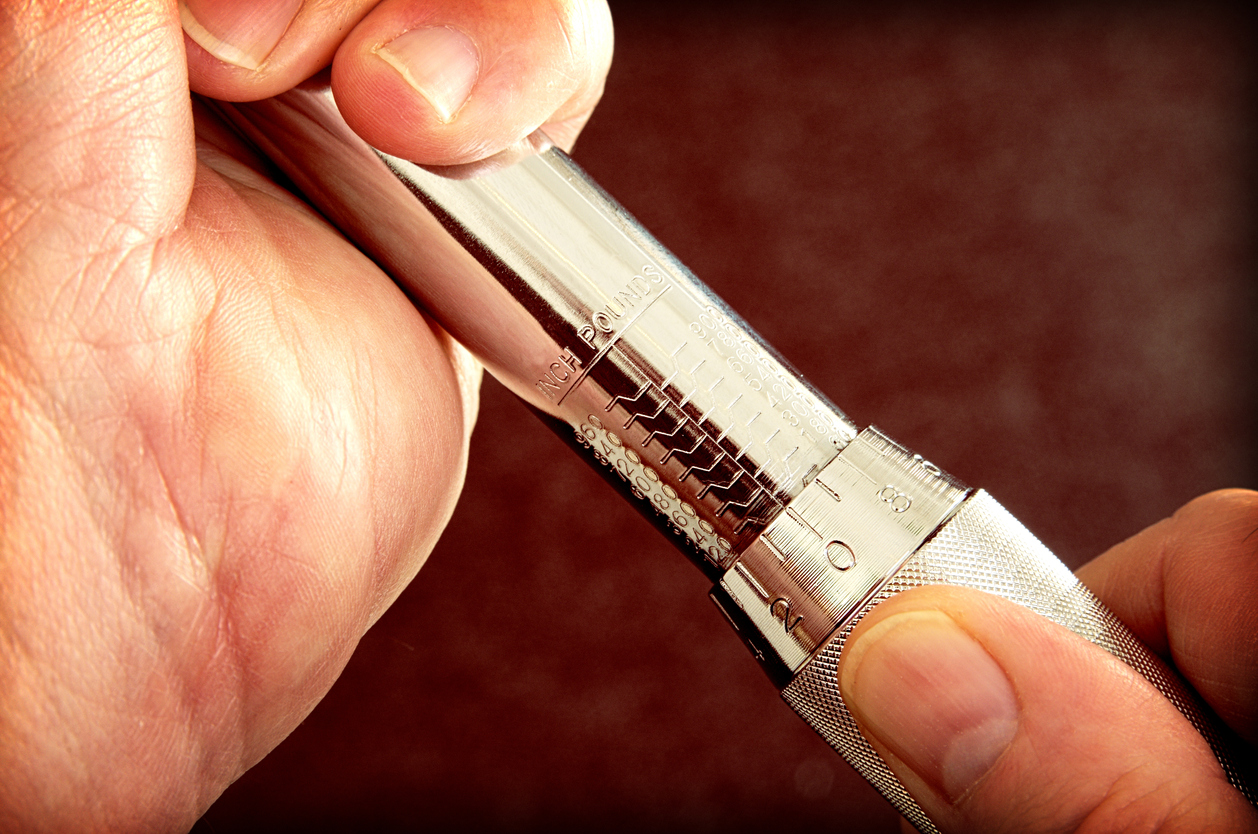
[[851, 528]]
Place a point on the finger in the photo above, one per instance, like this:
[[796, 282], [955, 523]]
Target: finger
[[456, 82], [997, 719], [1187, 586], [245, 50]]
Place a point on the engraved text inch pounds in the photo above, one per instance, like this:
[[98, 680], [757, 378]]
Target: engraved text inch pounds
[[603, 321], [559, 372]]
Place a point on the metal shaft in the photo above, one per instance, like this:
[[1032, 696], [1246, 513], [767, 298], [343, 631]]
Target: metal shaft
[[572, 306]]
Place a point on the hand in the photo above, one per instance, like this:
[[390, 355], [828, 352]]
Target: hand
[[1016, 724], [227, 441]]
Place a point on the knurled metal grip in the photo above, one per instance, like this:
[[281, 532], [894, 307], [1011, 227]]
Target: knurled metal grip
[[982, 546]]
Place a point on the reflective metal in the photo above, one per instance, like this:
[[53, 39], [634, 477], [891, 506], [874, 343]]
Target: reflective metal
[[576, 309]]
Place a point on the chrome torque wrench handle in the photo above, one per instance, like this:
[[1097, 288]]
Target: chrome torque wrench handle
[[803, 521]]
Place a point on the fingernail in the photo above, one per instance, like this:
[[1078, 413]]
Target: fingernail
[[928, 691], [238, 32], [440, 63]]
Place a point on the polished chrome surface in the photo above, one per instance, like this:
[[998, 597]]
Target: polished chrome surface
[[838, 542], [580, 312]]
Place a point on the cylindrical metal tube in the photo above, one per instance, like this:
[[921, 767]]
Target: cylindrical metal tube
[[803, 521], [572, 306]]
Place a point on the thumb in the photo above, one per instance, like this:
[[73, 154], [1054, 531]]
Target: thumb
[[997, 719], [95, 125], [459, 81]]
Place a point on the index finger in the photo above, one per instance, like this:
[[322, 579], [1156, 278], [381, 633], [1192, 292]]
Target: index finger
[[1188, 587]]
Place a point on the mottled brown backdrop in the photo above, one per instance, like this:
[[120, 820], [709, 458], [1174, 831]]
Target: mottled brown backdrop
[[1019, 240]]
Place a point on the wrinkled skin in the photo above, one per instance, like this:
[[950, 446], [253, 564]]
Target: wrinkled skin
[[227, 441]]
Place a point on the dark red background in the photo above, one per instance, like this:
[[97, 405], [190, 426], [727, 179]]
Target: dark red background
[[1020, 241]]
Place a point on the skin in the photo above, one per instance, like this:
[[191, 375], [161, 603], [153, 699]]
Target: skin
[[218, 463], [227, 441]]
